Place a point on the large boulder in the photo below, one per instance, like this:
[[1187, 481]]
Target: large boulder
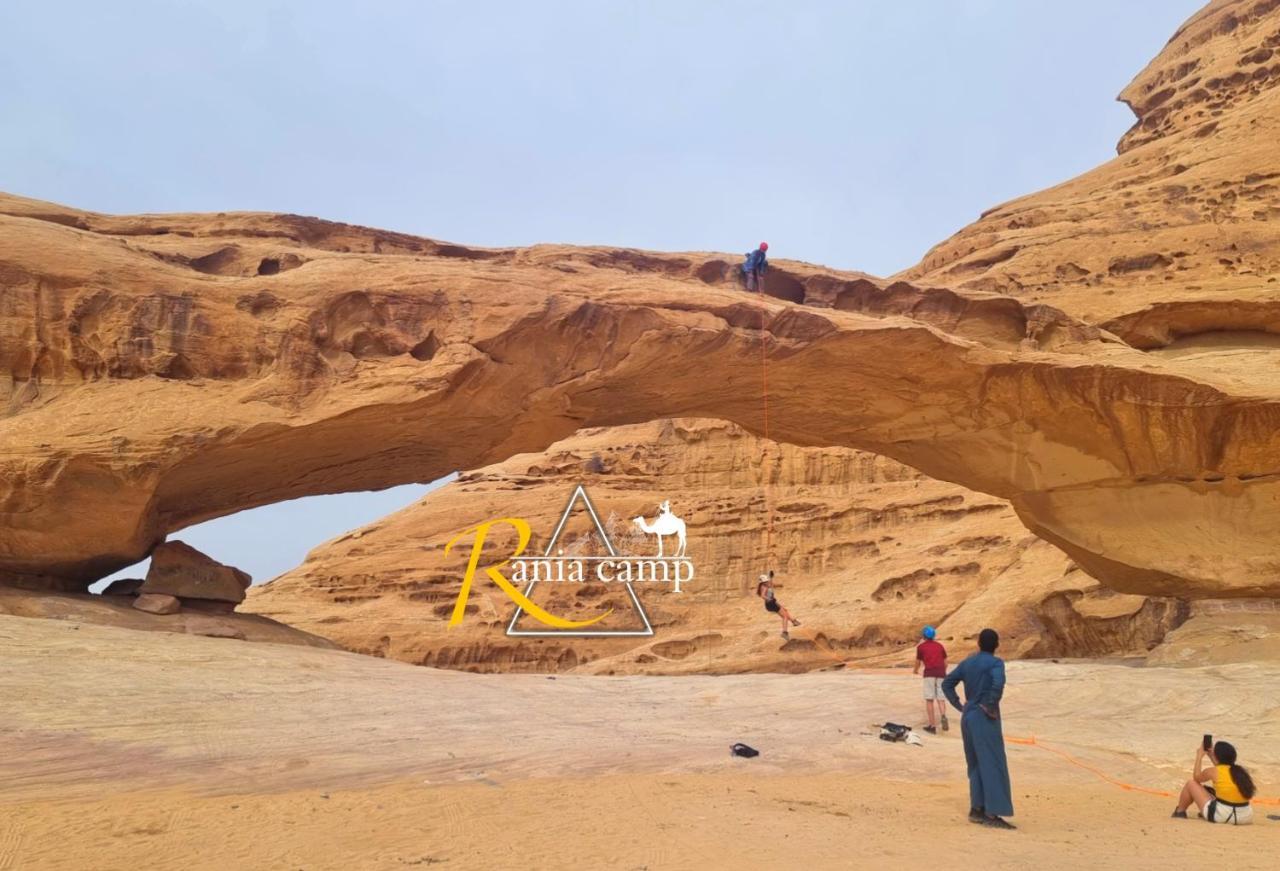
[[178, 569]]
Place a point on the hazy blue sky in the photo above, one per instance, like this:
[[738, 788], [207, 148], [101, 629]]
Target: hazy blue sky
[[274, 538], [854, 134]]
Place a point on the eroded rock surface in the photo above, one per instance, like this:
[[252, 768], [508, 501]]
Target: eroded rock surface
[[157, 603], [1178, 236], [1168, 247], [75, 610], [867, 551], [160, 370], [144, 395]]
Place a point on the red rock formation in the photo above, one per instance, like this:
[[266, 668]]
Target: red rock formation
[[867, 551], [145, 395], [72, 610], [1176, 236], [163, 370]]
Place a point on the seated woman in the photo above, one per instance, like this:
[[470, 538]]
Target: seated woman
[[764, 589], [1228, 800]]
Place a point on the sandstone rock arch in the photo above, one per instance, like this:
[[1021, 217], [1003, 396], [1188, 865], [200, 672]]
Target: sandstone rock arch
[[145, 394]]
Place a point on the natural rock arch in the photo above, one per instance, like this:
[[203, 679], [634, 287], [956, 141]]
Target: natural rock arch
[[1151, 480]]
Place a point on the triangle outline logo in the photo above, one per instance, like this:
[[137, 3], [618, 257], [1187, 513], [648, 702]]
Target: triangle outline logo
[[580, 493]]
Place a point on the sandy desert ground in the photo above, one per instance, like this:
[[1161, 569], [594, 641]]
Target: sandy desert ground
[[126, 748]]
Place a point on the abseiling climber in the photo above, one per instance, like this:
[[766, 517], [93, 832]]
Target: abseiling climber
[[764, 589], [754, 267]]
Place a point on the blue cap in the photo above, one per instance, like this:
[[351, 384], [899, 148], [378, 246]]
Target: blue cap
[[929, 632]]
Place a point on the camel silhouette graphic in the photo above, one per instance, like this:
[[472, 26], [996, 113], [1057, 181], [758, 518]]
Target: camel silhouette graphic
[[664, 524]]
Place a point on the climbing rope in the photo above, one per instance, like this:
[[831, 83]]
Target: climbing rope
[[764, 447], [1098, 772]]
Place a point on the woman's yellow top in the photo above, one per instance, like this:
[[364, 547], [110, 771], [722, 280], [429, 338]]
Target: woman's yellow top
[[1226, 788]]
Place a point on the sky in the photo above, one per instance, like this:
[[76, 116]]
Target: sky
[[852, 134]]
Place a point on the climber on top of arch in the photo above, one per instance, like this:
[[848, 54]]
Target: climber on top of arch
[[754, 267]]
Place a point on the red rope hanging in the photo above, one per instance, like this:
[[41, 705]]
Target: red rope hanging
[[764, 448]]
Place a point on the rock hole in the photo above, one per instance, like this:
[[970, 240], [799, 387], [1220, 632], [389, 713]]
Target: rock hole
[[782, 286], [179, 368], [426, 349], [224, 261], [713, 272], [369, 345]]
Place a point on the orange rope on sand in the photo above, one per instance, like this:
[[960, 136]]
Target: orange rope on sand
[[768, 507], [1032, 741], [1129, 787]]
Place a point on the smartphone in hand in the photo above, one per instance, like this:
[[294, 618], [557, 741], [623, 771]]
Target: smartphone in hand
[[1208, 743]]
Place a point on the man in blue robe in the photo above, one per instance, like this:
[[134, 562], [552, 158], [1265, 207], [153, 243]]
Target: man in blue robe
[[990, 796]]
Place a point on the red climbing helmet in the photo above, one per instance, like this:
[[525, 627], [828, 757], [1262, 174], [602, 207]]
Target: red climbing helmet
[[764, 246]]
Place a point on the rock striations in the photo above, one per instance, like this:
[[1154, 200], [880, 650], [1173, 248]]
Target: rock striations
[[144, 395], [867, 550], [1178, 236]]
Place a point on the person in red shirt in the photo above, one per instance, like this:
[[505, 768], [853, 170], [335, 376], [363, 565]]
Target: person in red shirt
[[933, 656]]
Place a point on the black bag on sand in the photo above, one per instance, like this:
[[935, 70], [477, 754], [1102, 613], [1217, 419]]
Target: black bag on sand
[[893, 732], [743, 750]]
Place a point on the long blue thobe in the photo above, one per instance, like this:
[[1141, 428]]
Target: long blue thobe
[[983, 677]]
